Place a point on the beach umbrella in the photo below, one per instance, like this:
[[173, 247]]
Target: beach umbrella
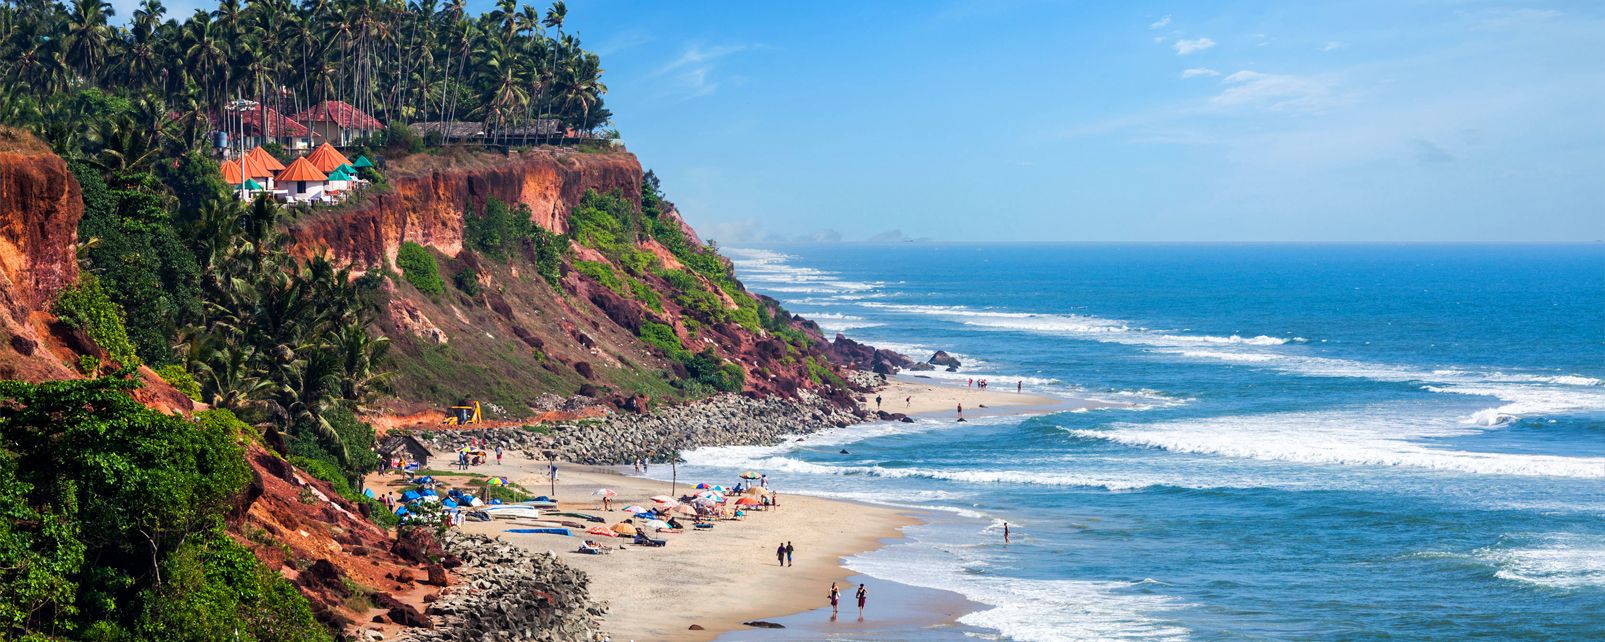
[[496, 481], [605, 492], [684, 509], [703, 486], [757, 491], [624, 528], [635, 509], [667, 505], [719, 489], [750, 475], [657, 524], [704, 501], [747, 501], [601, 531], [663, 499]]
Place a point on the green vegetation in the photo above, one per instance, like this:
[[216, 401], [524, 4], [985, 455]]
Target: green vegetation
[[468, 281], [120, 537], [135, 250], [420, 268], [500, 232], [602, 273], [180, 379], [86, 306], [401, 64]]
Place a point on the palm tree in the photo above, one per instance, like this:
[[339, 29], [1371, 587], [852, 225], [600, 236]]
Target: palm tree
[[87, 38]]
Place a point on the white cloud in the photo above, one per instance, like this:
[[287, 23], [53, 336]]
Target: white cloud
[[1198, 71], [1333, 46], [1275, 92], [693, 70], [1185, 47], [1160, 23]]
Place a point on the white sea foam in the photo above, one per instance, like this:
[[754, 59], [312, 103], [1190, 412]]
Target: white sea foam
[[1558, 560], [1028, 610], [1377, 436]]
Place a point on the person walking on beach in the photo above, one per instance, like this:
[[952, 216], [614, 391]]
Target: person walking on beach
[[961, 410], [908, 402], [863, 596], [877, 402], [789, 549], [970, 383], [780, 554], [498, 455], [835, 596], [1018, 386]]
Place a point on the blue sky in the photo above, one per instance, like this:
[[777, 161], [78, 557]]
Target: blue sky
[[1023, 120]]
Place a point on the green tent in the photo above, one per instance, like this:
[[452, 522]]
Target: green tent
[[251, 184], [347, 168], [362, 161]]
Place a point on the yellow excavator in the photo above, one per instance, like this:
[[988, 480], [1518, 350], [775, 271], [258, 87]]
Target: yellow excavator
[[463, 415]]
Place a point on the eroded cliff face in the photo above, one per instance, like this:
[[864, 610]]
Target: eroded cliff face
[[40, 205], [429, 194]]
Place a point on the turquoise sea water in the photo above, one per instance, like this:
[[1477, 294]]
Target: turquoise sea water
[[1327, 441]]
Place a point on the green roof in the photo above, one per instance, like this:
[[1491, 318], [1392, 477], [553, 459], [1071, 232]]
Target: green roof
[[251, 184], [362, 161], [340, 174]]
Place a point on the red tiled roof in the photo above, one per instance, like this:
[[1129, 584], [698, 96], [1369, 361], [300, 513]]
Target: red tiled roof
[[301, 170], [231, 172], [267, 160], [264, 121], [326, 158], [339, 113]]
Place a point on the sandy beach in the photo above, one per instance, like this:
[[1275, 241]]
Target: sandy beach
[[914, 395], [716, 579]]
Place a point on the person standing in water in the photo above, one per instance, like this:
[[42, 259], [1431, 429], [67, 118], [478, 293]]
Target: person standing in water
[[835, 597], [961, 410], [863, 595], [1005, 532], [1018, 386]]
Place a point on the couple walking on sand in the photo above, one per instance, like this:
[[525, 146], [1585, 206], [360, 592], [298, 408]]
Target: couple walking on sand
[[835, 596], [783, 554]]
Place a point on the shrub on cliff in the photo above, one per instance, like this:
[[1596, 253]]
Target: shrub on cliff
[[138, 253], [113, 523], [468, 281], [420, 268], [707, 369], [180, 380], [85, 306], [500, 232]]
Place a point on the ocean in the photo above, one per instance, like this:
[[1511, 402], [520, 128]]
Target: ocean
[[1317, 441]]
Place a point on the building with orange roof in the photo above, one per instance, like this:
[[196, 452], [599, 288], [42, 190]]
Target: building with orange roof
[[267, 160], [326, 158], [303, 181], [231, 172], [337, 122]]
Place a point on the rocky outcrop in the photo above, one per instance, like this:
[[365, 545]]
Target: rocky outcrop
[[40, 205], [943, 359], [428, 195], [861, 356], [724, 420], [511, 594]]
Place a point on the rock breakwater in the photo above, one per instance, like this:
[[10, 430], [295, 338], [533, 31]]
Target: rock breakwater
[[507, 593], [620, 438]]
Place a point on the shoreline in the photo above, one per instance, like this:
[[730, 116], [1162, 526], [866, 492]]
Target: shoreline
[[716, 580]]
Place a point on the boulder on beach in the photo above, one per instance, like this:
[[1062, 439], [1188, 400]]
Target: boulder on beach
[[942, 358]]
